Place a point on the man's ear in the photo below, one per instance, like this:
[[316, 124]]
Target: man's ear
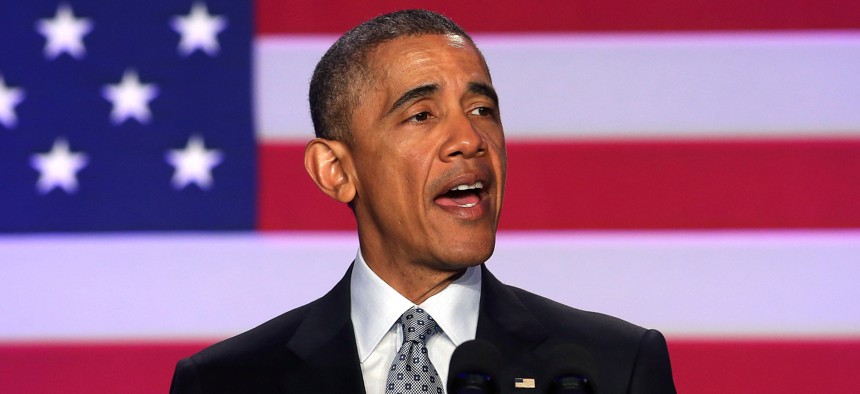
[[329, 164]]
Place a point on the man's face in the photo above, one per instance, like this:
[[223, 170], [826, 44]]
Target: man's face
[[429, 155]]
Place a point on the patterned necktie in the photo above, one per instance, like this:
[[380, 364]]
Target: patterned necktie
[[411, 371]]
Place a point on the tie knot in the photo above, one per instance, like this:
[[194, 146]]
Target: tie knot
[[418, 326]]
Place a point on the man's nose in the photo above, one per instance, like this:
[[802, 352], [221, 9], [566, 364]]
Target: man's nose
[[463, 139]]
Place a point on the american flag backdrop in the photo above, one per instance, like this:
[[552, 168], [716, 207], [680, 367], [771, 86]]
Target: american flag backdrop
[[692, 167], [111, 122]]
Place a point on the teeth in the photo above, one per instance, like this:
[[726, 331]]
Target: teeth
[[476, 185], [468, 205]]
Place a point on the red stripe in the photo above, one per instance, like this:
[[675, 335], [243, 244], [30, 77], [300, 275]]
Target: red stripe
[[128, 368], [289, 200], [702, 367], [721, 367], [310, 16], [625, 185]]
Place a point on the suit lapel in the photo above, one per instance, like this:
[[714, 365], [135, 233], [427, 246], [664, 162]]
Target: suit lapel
[[325, 343], [504, 319], [506, 323]]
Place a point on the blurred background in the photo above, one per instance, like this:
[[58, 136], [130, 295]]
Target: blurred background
[[691, 166]]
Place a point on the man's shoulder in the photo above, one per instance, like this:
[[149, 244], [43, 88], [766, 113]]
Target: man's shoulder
[[626, 357], [254, 361], [566, 322], [271, 339], [275, 354], [259, 343]]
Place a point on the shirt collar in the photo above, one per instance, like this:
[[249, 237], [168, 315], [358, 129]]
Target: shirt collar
[[376, 306]]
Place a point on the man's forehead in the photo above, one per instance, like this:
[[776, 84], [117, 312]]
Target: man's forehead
[[410, 60], [448, 40], [456, 40], [395, 52]]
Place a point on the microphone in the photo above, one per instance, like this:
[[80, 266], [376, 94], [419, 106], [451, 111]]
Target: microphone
[[571, 371], [473, 368]]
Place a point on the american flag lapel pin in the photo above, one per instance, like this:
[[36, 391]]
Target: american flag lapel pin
[[524, 383]]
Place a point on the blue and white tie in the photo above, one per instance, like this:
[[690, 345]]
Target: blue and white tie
[[411, 371]]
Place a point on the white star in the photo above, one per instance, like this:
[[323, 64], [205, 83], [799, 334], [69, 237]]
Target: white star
[[198, 30], [64, 33], [9, 98], [193, 164], [58, 168], [130, 98]]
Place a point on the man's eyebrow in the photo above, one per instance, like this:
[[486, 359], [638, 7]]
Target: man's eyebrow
[[412, 94], [484, 90]]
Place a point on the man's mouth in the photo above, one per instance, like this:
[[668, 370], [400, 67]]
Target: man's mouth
[[462, 195]]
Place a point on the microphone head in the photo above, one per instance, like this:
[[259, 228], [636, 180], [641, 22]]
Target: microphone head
[[571, 370], [473, 368]]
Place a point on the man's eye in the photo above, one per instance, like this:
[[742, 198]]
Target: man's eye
[[482, 111], [420, 117]]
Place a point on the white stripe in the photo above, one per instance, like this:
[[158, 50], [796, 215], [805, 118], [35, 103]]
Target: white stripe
[[216, 285], [691, 85]]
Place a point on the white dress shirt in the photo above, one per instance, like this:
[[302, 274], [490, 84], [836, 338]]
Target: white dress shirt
[[376, 307]]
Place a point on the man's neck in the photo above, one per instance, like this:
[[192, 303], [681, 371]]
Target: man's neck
[[415, 282]]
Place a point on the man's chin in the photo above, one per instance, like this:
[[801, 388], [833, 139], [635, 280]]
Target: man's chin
[[464, 256]]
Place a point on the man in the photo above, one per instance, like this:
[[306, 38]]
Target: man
[[409, 135]]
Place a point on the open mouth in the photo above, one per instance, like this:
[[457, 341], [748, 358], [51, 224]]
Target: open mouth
[[462, 196]]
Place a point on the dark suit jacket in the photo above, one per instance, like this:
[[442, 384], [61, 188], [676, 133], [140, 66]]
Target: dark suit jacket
[[312, 349]]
